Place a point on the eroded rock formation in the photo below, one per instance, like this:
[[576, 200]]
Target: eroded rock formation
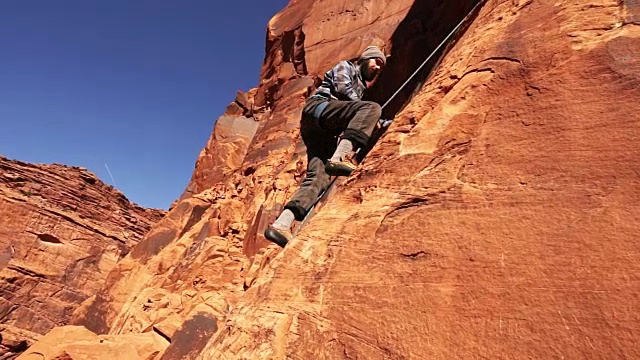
[[61, 231], [76, 342], [497, 217]]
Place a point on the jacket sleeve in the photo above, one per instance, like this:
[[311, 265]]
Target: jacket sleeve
[[343, 82]]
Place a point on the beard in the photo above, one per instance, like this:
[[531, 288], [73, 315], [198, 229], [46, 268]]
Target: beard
[[367, 74]]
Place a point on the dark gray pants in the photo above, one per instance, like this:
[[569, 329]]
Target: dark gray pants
[[355, 120]]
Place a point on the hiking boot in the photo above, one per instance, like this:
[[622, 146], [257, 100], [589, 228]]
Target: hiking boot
[[278, 236], [340, 168]]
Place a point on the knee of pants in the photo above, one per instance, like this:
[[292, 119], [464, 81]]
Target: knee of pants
[[374, 107]]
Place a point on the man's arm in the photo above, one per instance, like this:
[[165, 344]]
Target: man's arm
[[343, 81]]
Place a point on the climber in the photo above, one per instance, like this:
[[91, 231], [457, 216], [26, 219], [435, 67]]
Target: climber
[[336, 108]]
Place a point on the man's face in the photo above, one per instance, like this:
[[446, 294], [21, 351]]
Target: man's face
[[371, 68]]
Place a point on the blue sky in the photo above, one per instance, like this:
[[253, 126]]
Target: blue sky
[[134, 84]]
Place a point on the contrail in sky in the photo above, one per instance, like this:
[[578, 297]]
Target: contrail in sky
[[109, 171]]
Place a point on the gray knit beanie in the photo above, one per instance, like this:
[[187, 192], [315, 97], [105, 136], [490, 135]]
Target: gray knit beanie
[[372, 52]]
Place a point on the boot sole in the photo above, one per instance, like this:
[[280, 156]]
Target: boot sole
[[337, 170], [276, 237]]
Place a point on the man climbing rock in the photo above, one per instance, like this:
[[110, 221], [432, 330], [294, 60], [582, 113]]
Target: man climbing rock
[[335, 108]]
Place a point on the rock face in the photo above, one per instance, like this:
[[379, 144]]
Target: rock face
[[225, 149], [61, 231], [86, 345], [193, 267], [497, 217]]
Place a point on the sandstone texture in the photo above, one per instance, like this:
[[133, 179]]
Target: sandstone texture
[[190, 271], [61, 232], [496, 218], [78, 343]]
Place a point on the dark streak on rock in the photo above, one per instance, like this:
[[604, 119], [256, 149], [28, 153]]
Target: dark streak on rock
[[75, 222], [153, 244], [95, 318], [191, 337], [165, 336], [49, 238], [196, 215], [416, 255], [26, 272], [502, 58], [413, 202]]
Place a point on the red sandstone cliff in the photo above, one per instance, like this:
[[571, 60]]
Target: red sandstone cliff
[[496, 218], [61, 231]]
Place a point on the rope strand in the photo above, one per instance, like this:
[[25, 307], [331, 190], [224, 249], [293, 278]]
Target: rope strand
[[446, 39]]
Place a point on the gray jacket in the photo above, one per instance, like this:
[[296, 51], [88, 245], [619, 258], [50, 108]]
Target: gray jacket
[[342, 82]]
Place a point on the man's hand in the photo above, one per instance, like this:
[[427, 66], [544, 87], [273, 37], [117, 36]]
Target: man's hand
[[384, 123]]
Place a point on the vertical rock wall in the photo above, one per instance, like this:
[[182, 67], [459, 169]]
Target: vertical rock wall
[[61, 231], [497, 218]]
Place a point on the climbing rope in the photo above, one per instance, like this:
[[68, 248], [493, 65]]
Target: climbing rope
[[446, 39], [442, 43]]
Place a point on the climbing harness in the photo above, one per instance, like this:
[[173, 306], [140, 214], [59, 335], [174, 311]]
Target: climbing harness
[[383, 128]]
